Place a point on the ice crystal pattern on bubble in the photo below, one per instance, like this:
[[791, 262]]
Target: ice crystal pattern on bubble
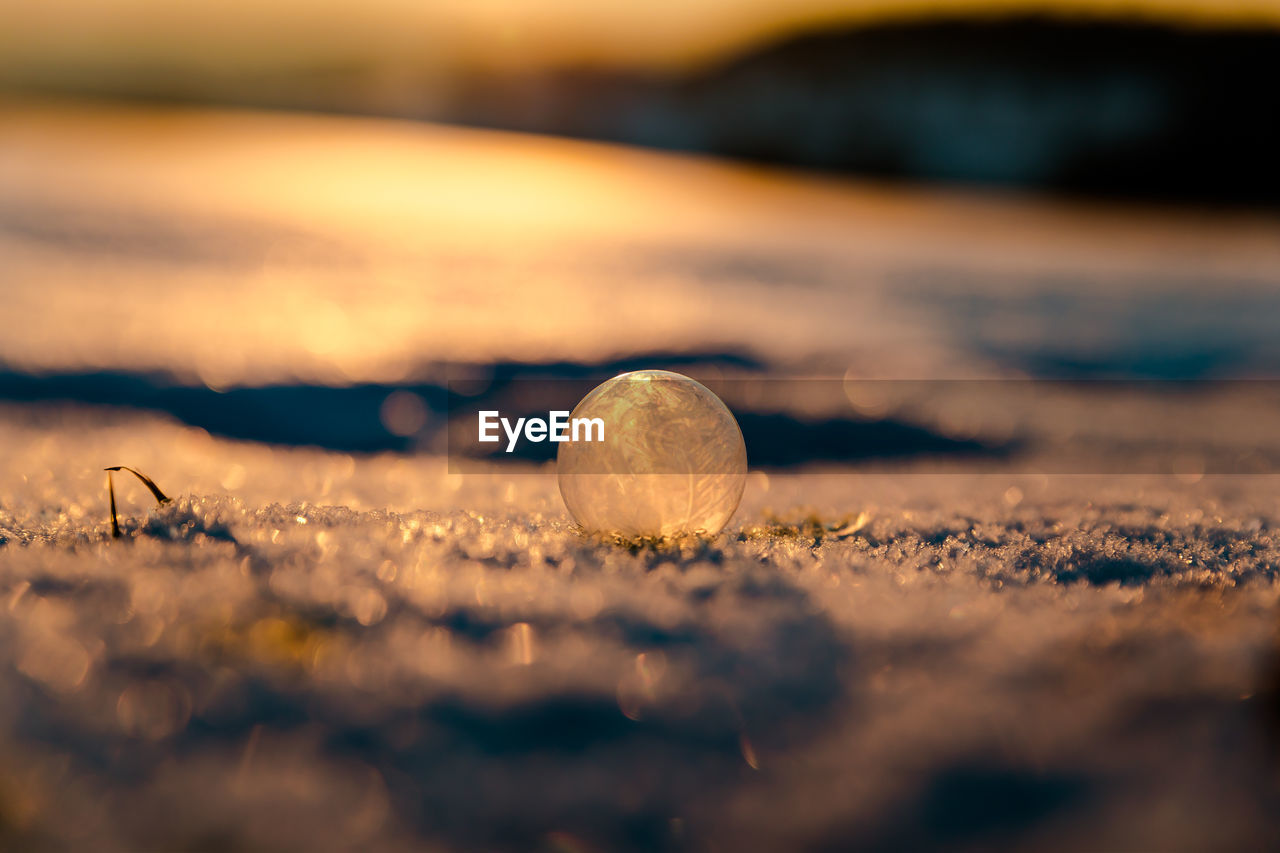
[[672, 461]]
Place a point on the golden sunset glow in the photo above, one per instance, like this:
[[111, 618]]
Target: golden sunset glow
[[61, 40], [341, 250]]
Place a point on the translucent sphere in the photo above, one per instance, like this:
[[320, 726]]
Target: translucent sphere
[[672, 461]]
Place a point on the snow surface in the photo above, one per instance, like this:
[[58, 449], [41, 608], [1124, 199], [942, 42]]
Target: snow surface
[[306, 650]]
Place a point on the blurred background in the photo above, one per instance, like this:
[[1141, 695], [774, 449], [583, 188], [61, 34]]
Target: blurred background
[[1167, 98], [297, 197]]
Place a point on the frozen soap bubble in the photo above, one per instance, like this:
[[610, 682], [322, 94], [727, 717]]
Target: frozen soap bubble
[[672, 460]]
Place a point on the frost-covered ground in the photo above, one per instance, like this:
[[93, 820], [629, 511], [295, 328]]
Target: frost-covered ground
[[331, 641], [310, 651]]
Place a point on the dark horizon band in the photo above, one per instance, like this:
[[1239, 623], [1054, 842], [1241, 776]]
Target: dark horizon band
[[1102, 426]]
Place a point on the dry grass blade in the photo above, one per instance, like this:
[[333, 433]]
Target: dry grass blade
[[161, 497], [115, 524]]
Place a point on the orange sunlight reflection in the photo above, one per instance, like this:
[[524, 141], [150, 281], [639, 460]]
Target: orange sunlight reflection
[[243, 247]]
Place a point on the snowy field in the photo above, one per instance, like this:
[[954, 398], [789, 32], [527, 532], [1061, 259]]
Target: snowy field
[[330, 640]]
